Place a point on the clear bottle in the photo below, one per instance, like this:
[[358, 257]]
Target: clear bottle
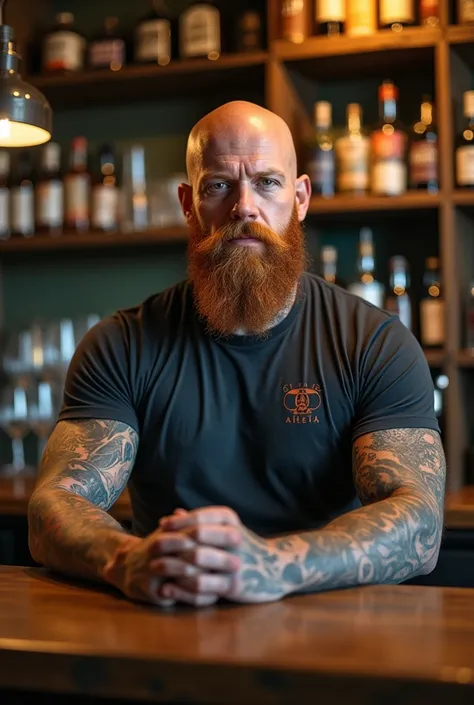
[[465, 146], [200, 31], [352, 154], [432, 325], [105, 193], [465, 11], [108, 49], [388, 142], [23, 198], [320, 159], [50, 192], [153, 36], [77, 185], [396, 14], [64, 46], [429, 13], [330, 17], [294, 26], [398, 300], [5, 206], [423, 150], [366, 286], [329, 265]]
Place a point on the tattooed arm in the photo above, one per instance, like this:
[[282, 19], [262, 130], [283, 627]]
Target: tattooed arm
[[400, 478], [85, 467]]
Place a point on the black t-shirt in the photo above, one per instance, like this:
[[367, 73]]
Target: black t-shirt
[[264, 426]]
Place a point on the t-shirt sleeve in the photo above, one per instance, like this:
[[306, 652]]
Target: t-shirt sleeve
[[395, 385], [98, 382]]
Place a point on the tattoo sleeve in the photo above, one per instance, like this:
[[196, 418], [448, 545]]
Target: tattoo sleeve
[[400, 478], [85, 467]]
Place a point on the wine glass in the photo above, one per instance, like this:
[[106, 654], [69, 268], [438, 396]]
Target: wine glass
[[15, 415]]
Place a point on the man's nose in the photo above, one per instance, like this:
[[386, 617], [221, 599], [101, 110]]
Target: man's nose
[[244, 208]]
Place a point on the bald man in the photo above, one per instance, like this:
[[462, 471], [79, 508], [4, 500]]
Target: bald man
[[277, 434]]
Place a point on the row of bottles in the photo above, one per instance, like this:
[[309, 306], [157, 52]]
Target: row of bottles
[[199, 30], [398, 299], [383, 161], [362, 17]]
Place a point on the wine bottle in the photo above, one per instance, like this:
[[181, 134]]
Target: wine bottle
[[423, 152]]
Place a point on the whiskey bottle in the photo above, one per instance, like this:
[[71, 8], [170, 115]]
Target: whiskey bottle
[[200, 31], [423, 151], [320, 164], [352, 154], [153, 36], [330, 17], [389, 172], [50, 192], [465, 146], [396, 14], [432, 328], [77, 183], [108, 49], [429, 13], [63, 47], [294, 25], [105, 201]]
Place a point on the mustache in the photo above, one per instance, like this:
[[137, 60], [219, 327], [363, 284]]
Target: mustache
[[241, 229]]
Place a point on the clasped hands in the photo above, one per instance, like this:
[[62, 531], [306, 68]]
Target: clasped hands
[[195, 558]]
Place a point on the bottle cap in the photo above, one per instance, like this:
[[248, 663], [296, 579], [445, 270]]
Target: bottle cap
[[323, 113]]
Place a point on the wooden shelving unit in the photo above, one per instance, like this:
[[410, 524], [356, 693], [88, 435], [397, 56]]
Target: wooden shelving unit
[[290, 75]]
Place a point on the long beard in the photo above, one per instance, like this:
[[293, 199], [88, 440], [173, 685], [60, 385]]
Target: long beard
[[237, 287]]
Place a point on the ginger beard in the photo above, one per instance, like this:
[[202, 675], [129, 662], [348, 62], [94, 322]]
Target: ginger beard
[[238, 287]]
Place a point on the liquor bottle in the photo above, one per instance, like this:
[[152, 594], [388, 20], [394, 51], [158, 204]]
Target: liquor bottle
[[77, 187], [330, 17], [50, 192], [398, 301], [249, 31], [329, 265], [105, 192], [108, 49], [23, 198], [64, 47], [361, 18], [465, 12], [396, 14], [4, 194], [366, 286], [153, 36], [465, 146], [352, 154], [294, 24], [429, 13], [432, 306], [389, 172], [200, 31], [469, 319], [423, 151], [320, 164]]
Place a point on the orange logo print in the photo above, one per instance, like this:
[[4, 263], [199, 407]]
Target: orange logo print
[[301, 401]]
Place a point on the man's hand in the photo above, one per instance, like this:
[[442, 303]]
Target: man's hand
[[258, 577], [142, 568]]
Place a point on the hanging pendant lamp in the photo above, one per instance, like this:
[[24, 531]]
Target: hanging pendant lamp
[[25, 114]]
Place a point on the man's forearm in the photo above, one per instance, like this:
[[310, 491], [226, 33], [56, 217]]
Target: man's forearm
[[386, 542], [69, 534]]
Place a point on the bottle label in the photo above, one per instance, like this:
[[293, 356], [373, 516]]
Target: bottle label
[[361, 17], [77, 197], [23, 209], [293, 20], [432, 321], [153, 41], [321, 170], [465, 165], [330, 11], [423, 162], [107, 52], [465, 11], [353, 164], [392, 11], [63, 50], [389, 178], [4, 211], [200, 31], [104, 207], [50, 204]]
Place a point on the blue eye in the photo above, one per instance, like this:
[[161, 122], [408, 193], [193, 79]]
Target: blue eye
[[217, 186], [268, 183]]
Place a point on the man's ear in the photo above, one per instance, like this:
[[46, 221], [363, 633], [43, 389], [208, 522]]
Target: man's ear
[[185, 195], [303, 196]]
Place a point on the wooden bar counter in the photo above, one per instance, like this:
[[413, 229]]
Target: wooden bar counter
[[390, 645]]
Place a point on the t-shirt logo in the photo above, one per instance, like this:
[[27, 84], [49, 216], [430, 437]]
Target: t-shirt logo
[[301, 401]]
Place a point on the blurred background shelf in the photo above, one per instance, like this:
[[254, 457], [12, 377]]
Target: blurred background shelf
[[360, 204]]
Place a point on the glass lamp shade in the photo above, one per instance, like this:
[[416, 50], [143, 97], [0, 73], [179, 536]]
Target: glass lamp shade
[[25, 114]]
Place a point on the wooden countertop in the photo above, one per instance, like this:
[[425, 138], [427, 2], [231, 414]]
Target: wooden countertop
[[14, 496], [374, 645]]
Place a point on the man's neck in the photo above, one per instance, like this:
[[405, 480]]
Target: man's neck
[[278, 318]]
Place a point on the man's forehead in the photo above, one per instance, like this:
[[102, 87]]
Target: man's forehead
[[225, 151]]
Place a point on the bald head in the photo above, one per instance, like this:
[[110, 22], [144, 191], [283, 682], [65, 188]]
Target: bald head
[[240, 130]]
